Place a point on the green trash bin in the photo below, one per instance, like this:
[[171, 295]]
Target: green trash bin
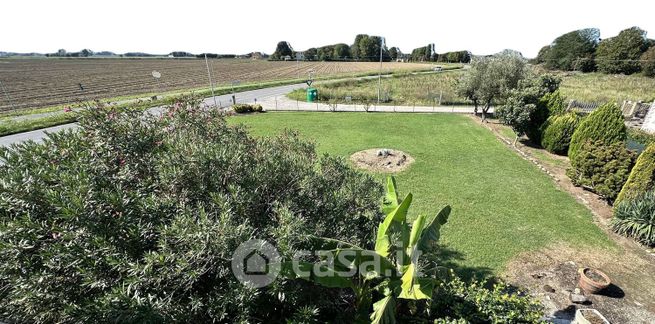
[[312, 94]]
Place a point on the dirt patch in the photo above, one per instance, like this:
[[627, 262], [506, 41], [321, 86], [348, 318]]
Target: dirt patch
[[552, 276], [382, 160]]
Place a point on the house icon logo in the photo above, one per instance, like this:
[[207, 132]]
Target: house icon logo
[[256, 263]]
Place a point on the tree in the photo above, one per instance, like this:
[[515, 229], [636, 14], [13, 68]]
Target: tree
[[181, 54], [311, 54], [516, 113], [394, 52], [453, 57], [648, 62], [283, 49], [525, 110], [543, 55], [620, 54], [605, 125], [86, 52], [341, 52], [572, 51], [354, 48], [424, 54], [325, 53], [491, 79]]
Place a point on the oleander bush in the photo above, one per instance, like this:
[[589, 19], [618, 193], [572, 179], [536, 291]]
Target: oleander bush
[[602, 168], [134, 218], [635, 217], [558, 132], [605, 124]]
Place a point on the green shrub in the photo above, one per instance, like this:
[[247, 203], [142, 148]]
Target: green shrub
[[602, 168], [558, 133], [525, 109], [394, 291], [134, 218], [635, 218], [642, 177], [247, 108], [605, 124], [474, 303], [554, 102]]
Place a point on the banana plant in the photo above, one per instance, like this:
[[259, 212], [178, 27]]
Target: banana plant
[[390, 270]]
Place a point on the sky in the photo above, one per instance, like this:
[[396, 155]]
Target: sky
[[240, 26]]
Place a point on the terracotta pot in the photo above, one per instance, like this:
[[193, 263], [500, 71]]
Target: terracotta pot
[[590, 285]]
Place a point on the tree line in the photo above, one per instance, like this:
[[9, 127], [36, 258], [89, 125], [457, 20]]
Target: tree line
[[428, 54], [366, 48], [583, 50]]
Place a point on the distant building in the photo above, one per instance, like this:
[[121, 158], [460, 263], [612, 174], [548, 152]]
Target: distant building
[[287, 57]]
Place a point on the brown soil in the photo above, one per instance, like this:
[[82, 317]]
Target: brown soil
[[630, 266], [372, 160], [551, 275]]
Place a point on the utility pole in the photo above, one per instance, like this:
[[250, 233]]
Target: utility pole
[[11, 103], [211, 84], [380, 73]]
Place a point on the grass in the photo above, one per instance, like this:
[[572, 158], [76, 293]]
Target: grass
[[598, 87], [502, 204], [14, 127], [401, 89]]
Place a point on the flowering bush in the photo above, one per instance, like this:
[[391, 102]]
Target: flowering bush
[[134, 218]]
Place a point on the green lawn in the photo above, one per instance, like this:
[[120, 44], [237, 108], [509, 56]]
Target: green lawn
[[502, 204]]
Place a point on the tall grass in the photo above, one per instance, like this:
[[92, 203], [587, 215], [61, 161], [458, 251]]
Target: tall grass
[[403, 89], [598, 87]]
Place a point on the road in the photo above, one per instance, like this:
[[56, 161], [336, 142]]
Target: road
[[269, 97], [223, 101]]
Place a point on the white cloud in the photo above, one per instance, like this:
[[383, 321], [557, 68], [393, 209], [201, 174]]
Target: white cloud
[[242, 26]]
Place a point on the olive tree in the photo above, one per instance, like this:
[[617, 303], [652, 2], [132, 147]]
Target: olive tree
[[491, 79]]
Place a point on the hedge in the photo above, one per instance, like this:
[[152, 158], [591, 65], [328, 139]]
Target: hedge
[[642, 177], [602, 168], [558, 133], [605, 125]]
